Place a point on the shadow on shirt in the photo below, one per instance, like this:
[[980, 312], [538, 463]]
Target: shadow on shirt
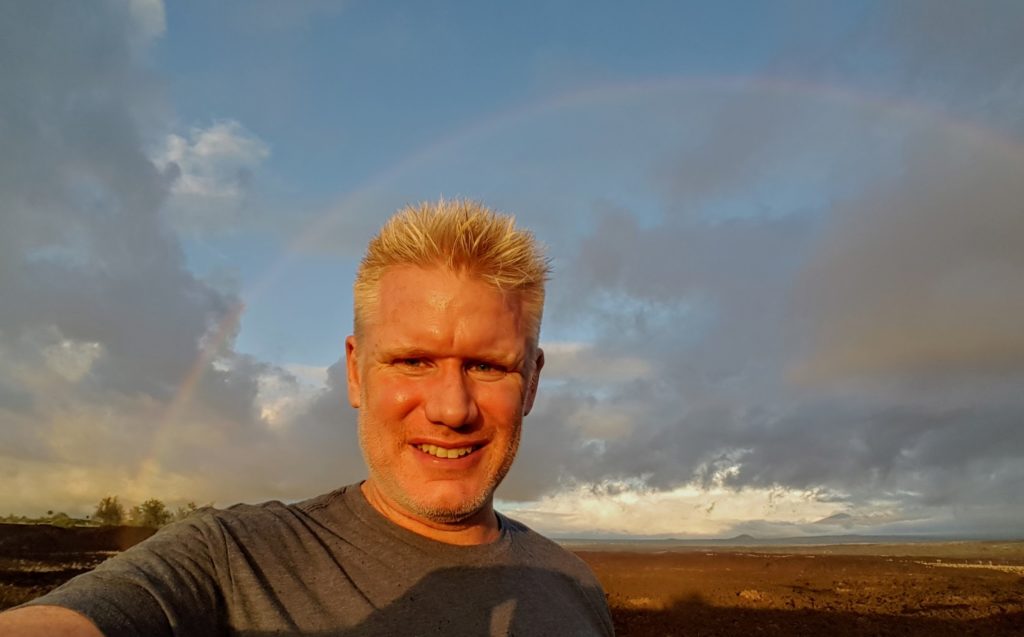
[[497, 600]]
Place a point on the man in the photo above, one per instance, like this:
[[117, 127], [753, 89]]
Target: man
[[443, 365]]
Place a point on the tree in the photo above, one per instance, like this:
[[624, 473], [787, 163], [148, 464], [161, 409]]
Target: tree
[[109, 512], [183, 512], [62, 519], [152, 513]]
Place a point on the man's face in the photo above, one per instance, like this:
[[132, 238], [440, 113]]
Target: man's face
[[442, 377]]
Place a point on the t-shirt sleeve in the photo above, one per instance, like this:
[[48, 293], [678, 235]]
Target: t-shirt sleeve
[[166, 585]]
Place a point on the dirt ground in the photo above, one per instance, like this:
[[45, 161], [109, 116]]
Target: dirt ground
[[36, 558], [966, 588], [934, 590]]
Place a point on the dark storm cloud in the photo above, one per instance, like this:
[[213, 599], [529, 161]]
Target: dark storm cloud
[[935, 263], [83, 248], [700, 304], [744, 327], [324, 436], [550, 450], [867, 348]]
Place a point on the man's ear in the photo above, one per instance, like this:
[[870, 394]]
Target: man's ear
[[352, 371], [534, 382]]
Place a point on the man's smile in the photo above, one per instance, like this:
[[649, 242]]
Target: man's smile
[[446, 452]]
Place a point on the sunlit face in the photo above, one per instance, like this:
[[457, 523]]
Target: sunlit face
[[442, 377]]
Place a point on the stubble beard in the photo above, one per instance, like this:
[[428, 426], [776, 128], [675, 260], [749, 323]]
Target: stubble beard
[[384, 477]]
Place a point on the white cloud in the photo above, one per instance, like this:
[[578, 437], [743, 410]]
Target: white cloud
[[687, 511], [72, 359], [210, 173], [282, 398], [311, 375]]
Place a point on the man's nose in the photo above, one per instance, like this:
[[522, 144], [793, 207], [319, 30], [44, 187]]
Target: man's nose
[[450, 401]]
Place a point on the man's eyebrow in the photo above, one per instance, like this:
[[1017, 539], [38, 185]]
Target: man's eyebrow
[[509, 360], [506, 359], [404, 351]]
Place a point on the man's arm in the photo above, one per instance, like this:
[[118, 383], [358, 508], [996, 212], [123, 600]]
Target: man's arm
[[163, 587], [46, 621]]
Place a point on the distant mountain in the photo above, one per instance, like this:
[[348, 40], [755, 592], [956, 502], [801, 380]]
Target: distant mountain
[[747, 540], [838, 518]]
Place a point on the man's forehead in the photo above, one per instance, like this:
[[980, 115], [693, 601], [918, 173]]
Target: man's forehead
[[420, 307], [438, 286]]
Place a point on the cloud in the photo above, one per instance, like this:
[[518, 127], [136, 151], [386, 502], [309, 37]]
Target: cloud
[[568, 361], [622, 509], [857, 340], [118, 372], [210, 173], [966, 56], [924, 275], [808, 320], [722, 313], [285, 395]]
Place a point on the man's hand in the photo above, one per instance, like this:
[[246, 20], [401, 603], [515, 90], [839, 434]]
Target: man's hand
[[46, 621]]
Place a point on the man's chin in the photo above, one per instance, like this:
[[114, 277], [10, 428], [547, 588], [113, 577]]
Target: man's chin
[[454, 509]]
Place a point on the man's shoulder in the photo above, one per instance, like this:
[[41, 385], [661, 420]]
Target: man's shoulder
[[544, 551], [259, 517], [524, 534]]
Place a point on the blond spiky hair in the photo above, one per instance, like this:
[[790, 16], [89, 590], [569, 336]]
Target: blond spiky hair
[[461, 236]]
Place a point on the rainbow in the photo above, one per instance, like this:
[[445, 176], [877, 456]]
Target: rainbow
[[970, 132]]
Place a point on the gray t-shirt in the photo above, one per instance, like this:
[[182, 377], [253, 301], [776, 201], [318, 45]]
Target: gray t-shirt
[[332, 565]]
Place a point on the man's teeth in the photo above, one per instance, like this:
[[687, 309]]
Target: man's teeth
[[441, 452]]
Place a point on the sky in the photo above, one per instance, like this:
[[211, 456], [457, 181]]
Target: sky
[[787, 239]]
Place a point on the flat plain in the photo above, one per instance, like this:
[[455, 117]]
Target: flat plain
[[933, 589]]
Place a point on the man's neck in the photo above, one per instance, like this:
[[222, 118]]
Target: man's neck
[[481, 528]]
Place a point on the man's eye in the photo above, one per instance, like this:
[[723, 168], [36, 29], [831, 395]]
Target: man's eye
[[409, 362], [486, 370]]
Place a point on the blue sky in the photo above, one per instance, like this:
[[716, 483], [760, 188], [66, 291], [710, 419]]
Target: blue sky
[[786, 240], [350, 92]]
